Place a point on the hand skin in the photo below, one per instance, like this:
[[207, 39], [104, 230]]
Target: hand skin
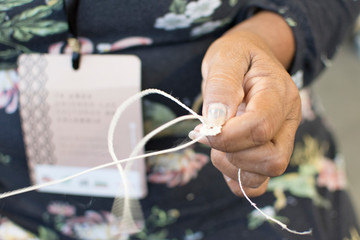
[[247, 66]]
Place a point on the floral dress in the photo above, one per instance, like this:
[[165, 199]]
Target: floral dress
[[188, 198]]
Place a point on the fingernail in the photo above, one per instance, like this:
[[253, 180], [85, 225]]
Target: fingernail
[[193, 135], [216, 114]]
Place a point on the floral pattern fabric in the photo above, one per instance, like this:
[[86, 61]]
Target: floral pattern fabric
[[9, 93], [185, 14], [187, 198]]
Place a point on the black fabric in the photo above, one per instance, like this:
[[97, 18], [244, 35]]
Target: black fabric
[[204, 207], [319, 29]]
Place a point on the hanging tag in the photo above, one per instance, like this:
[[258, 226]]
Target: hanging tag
[[65, 119]]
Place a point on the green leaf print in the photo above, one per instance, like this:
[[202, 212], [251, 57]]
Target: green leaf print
[[33, 14], [156, 114], [2, 17], [178, 6], [161, 218], [155, 223], [24, 26], [202, 20], [6, 66], [354, 234], [22, 35], [9, 4], [47, 234], [15, 50], [42, 28], [5, 159], [233, 2], [255, 222], [28, 23], [291, 22], [55, 4]]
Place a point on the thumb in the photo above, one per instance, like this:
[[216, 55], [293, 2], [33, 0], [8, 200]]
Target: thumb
[[222, 92]]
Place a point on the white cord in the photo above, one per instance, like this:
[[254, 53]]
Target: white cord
[[269, 218], [139, 146]]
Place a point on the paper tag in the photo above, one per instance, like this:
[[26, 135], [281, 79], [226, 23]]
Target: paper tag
[[65, 119]]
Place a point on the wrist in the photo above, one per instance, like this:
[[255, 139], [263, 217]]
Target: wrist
[[273, 31]]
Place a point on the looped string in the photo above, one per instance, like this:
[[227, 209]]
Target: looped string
[[140, 145], [127, 207]]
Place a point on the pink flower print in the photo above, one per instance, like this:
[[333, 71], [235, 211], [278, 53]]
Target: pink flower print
[[124, 43], [109, 217], [94, 217], [331, 175], [55, 48], [67, 230], [90, 218], [87, 47], [94, 225], [306, 105], [176, 169], [9, 90], [62, 209]]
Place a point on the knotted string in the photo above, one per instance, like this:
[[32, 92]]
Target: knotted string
[[117, 162]]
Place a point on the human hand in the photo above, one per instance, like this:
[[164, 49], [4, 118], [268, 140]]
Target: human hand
[[260, 107]]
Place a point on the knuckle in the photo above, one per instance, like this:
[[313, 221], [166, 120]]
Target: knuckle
[[262, 132], [219, 142], [226, 143], [298, 110], [295, 100], [252, 184], [252, 180], [220, 81], [216, 159], [231, 158], [251, 192], [277, 165]]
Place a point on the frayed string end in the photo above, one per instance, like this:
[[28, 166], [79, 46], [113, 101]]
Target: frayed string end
[[269, 218]]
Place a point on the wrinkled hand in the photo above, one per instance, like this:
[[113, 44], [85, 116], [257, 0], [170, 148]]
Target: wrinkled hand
[[261, 105]]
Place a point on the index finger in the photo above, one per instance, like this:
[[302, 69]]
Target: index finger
[[262, 119]]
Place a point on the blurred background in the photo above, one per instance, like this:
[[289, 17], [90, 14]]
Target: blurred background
[[339, 91]]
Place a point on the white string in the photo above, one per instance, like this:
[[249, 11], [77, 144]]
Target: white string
[[111, 131], [117, 162], [128, 221], [269, 218], [129, 101], [47, 184], [127, 215]]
